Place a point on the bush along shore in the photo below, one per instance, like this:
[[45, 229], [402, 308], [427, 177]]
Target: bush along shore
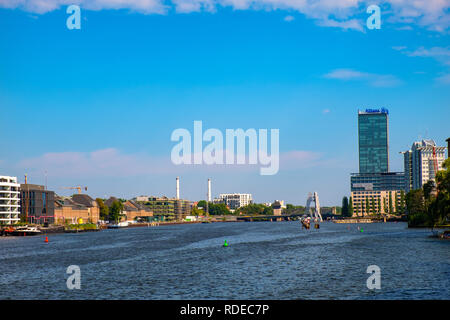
[[85, 227]]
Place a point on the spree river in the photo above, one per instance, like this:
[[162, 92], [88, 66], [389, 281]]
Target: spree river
[[264, 260]]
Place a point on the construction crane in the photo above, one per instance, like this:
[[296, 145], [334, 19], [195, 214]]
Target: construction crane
[[75, 188]]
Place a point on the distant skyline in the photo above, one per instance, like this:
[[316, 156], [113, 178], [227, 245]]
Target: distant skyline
[[96, 107]]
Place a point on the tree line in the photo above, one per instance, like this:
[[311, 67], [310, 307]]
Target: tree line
[[429, 206], [111, 213]]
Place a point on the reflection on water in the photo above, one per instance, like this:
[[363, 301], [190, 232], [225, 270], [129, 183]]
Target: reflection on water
[[265, 260]]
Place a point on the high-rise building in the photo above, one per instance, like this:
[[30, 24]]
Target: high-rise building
[[235, 200], [373, 141], [421, 163], [9, 200], [375, 190]]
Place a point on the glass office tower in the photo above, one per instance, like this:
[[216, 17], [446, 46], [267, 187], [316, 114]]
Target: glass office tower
[[373, 141]]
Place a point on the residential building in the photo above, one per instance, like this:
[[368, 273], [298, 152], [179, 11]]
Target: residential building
[[168, 209], [373, 134], [9, 200], [235, 200], [37, 204], [421, 163]]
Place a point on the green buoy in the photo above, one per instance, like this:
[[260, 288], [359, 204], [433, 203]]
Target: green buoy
[[225, 244]]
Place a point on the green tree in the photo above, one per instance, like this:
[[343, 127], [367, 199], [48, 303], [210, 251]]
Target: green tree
[[202, 204], [197, 212], [373, 205], [402, 205], [255, 209], [217, 209], [104, 210], [350, 207], [115, 211], [390, 203], [379, 206], [415, 202], [345, 209], [443, 192], [367, 205]]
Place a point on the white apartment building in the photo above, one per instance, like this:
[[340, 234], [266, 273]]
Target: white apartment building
[[419, 163], [235, 200], [9, 200]]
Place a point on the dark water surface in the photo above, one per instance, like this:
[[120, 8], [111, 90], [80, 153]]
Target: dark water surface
[[265, 260]]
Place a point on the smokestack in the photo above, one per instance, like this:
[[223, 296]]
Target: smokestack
[[209, 190], [178, 188], [26, 179]]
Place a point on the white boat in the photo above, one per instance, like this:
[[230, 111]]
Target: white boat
[[118, 225], [26, 231]]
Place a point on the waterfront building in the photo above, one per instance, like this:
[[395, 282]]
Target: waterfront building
[[377, 193], [375, 190], [76, 208], [373, 140], [276, 208], [419, 163], [135, 211], [37, 204], [9, 200], [168, 209], [234, 200]]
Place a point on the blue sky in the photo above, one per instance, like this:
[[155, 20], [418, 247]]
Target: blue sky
[[97, 106]]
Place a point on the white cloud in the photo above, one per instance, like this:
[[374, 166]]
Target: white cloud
[[432, 14], [438, 53], [399, 48], [289, 18], [346, 14], [444, 79], [375, 80]]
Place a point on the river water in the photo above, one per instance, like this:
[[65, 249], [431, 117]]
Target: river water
[[265, 260]]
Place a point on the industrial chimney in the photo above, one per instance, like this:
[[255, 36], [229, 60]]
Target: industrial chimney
[[209, 190], [178, 188]]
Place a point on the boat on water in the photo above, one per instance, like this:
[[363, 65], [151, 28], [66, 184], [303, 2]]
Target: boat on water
[[25, 231], [445, 235], [118, 225], [306, 223]]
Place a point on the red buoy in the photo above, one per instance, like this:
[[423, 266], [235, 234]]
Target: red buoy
[[46, 239]]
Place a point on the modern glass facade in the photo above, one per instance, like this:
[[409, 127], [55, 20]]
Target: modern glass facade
[[377, 181], [373, 141]]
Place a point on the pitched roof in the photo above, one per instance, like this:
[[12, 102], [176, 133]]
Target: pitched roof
[[85, 200]]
